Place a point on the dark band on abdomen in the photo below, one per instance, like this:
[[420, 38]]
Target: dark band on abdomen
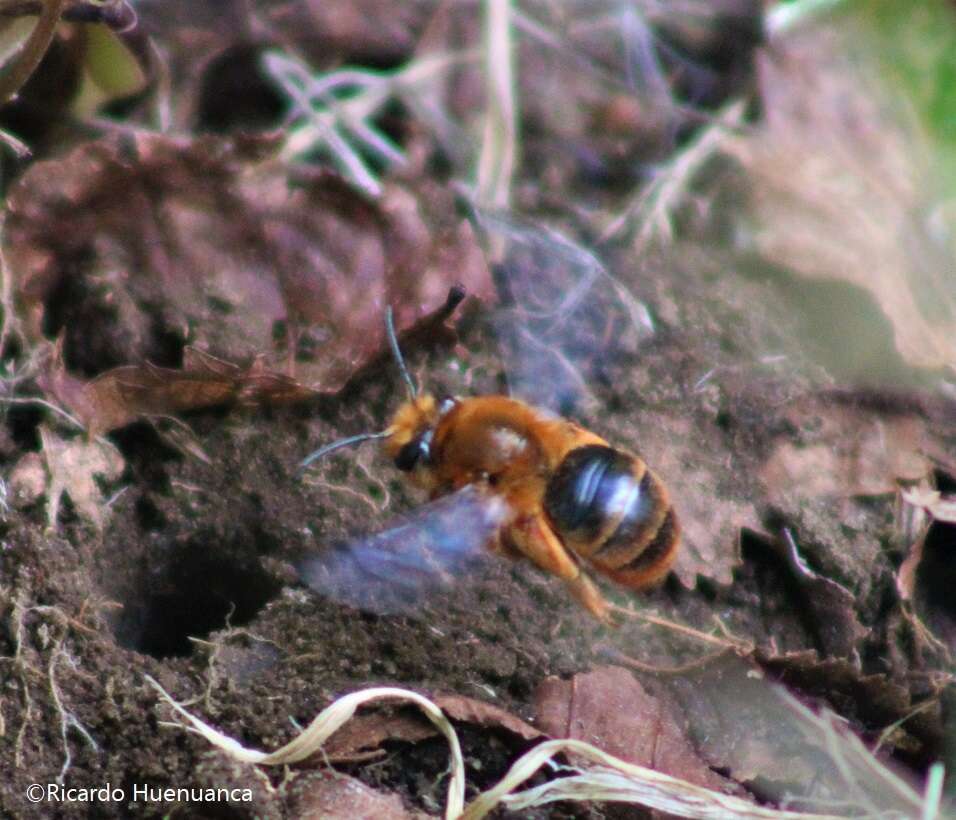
[[610, 509]]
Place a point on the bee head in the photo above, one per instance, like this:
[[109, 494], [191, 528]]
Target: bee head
[[408, 438], [412, 429]]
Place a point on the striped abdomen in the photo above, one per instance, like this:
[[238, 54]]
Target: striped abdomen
[[609, 508]]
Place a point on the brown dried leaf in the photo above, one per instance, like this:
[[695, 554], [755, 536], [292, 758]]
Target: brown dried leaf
[[921, 503], [761, 736], [856, 211], [74, 466], [873, 700], [831, 608], [610, 709], [844, 450], [362, 737], [197, 239], [485, 715], [328, 795], [707, 496], [124, 394]]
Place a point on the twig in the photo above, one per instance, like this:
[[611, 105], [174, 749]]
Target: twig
[[26, 62], [667, 671]]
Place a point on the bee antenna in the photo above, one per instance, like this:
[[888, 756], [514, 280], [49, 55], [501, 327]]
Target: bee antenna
[[338, 445], [397, 353]]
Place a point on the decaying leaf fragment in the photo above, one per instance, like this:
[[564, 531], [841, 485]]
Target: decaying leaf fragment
[[872, 699], [858, 211], [844, 448], [831, 609], [122, 395], [762, 736], [610, 709], [74, 466], [329, 795], [922, 503], [486, 715], [707, 494], [199, 241], [362, 737]]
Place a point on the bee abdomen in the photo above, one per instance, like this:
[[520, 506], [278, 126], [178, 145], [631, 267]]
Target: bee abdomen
[[609, 508]]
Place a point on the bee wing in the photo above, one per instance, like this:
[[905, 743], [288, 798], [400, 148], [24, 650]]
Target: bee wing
[[564, 315], [416, 556]]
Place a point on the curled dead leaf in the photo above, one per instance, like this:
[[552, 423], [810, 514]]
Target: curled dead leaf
[[744, 724], [362, 737], [125, 394], [486, 715]]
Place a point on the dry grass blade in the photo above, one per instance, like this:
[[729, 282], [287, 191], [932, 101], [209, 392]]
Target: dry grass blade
[[652, 210], [20, 68], [344, 125], [327, 722], [499, 142], [866, 787], [614, 779]]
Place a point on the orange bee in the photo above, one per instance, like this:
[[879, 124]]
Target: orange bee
[[511, 478]]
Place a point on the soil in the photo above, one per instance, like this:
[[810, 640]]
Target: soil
[[190, 575]]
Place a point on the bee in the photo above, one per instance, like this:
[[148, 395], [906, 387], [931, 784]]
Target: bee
[[512, 479]]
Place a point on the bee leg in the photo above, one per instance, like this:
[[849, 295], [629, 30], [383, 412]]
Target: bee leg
[[532, 536]]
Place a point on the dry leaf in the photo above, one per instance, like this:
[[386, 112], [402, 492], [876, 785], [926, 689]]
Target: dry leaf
[[329, 795], [74, 466], [761, 736], [874, 700], [610, 709], [485, 715], [707, 494], [845, 450], [830, 608], [124, 394], [362, 737], [177, 239], [924, 502], [857, 211]]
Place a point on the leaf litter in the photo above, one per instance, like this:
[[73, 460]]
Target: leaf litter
[[156, 275], [206, 242]]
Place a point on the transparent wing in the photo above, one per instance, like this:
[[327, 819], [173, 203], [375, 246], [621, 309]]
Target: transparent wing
[[564, 316], [413, 558]]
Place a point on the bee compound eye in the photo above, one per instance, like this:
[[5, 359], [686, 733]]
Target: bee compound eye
[[416, 452], [408, 456]]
